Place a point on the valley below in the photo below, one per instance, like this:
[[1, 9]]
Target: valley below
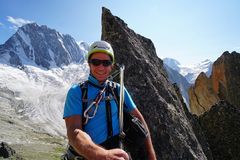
[[27, 139]]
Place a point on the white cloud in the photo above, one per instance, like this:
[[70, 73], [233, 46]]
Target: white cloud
[[1, 24], [17, 22]]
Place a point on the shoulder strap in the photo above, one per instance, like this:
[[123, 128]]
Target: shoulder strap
[[116, 95], [109, 114], [84, 89]]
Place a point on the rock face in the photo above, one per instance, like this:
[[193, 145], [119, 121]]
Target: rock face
[[226, 77], [39, 45], [223, 84], [6, 151], [202, 96], [222, 129], [172, 133]]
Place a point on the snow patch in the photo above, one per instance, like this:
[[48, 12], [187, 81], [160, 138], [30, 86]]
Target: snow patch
[[43, 92]]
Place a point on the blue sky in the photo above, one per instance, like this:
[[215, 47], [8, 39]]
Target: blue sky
[[186, 30]]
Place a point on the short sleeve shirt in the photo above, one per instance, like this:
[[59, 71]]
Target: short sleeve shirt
[[97, 126]]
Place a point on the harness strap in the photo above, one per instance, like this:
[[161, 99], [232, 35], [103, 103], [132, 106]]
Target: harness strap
[[84, 89], [109, 115]]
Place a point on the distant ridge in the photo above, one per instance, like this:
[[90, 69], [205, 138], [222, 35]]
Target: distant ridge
[[189, 72]]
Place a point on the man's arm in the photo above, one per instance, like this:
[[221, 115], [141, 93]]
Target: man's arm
[[84, 145], [148, 142]]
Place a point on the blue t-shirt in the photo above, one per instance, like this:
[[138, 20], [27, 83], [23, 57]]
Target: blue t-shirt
[[97, 126]]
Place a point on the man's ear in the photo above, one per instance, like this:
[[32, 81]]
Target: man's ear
[[113, 67]]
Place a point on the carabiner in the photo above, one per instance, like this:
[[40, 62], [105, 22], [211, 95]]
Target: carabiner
[[86, 115]]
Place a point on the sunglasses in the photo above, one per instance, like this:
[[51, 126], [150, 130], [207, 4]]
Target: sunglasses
[[97, 62]]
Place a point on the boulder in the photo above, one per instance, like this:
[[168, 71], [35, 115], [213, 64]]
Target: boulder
[[6, 151]]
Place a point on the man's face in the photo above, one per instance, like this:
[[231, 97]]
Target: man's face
[[99, 70]]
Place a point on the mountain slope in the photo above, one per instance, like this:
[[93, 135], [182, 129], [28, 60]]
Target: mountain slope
[[172, 63], [39, 45], [181, 82], [40, 93], [190, 72], [32, 86], [33, 89]]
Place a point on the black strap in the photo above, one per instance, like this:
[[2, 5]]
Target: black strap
[[117, 97], [109, 114], [115, 93], [84, 89]]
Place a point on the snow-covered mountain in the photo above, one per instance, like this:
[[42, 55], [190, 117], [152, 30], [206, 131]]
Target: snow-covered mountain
[[190, 72], [185, 76], [37, 67], [41, 46], [172, 63]]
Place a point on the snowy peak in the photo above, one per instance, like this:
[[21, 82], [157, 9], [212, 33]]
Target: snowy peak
[[189, 72], [203, 66], [40, 46], [172, 63]]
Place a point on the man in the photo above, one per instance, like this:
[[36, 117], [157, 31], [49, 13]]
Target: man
[[87, 127]]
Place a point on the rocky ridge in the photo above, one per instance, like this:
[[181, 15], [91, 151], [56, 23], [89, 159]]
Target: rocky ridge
[[222, 129], [223, 84], [172, 133]]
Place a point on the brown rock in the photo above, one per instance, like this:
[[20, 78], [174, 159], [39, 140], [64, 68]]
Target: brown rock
[[226, 77], [202, 96], [223, 84]]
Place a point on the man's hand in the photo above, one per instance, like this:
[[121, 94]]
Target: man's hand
[[116, 154]]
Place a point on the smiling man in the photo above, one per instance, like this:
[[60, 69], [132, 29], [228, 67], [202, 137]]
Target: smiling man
[[91, 112]]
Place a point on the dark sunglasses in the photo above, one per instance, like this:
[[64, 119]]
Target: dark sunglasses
[[97, 62]]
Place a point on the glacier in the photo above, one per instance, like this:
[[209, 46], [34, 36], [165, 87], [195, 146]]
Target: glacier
[[42, 93]]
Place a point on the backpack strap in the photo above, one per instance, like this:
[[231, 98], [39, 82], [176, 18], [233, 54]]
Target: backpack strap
[[109, 114], [84, 90], [115, 93]]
